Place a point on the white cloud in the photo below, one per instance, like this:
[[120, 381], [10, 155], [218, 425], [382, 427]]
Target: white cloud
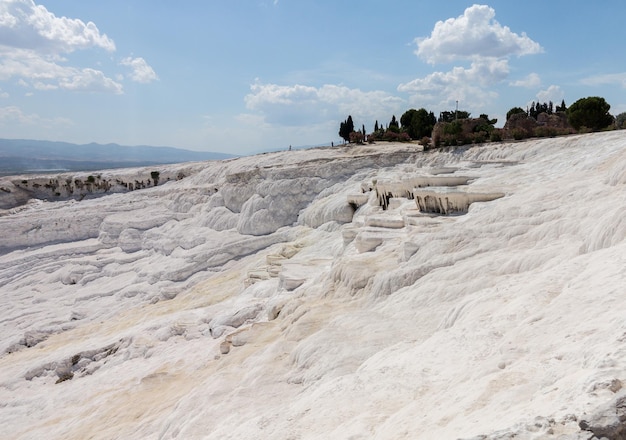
[[13, 117], [459, 84], [300, 104], [141, 70], [90, 80], [33, 42], [25, 25], [552, 93], [475, 34], [474, 37], [44, 74], [27, 64], [39, 85], [532, 81], [606, 79]]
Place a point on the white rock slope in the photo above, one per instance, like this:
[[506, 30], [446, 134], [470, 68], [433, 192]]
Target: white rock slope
[[305, 295]]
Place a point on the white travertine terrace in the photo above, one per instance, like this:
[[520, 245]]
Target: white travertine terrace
[[261, 298], [448, 201]]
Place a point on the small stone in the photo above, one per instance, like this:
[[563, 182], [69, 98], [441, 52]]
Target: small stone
[[502, 365], [64, 374], [225, 347], [615, 385]]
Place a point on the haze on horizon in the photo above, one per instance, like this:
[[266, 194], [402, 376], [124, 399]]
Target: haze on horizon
[[251, 76]]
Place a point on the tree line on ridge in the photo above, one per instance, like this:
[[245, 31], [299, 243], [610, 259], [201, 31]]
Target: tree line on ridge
[[456, 127]]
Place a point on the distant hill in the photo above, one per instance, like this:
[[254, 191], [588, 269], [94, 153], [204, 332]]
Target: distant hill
[[20, 156]]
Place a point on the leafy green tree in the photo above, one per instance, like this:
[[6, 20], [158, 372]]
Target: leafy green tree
[[562, 107], [489, 121], [453, 115], [406, 119], [345, 128], [418, 123], [485, 127], [514, 111], [394, 122], [591, 112]]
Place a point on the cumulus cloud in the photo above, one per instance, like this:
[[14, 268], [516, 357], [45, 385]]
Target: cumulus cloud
[[297, 104], [46, 74], [532, 81], [90, 80], [25, 25], [475, 34], [552, 93], [475, 38], [33, 43], [460, 83], [141, 70], [482, 72]]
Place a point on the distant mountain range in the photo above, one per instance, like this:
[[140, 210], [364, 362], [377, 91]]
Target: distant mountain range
[[21, 156]]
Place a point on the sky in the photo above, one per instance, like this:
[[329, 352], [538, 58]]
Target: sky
[[244, 76]]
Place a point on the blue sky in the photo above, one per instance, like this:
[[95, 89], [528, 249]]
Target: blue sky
[[241, 76]]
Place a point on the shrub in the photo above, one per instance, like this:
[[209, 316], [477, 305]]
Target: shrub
[[155, 177], [495, 135], [453, 128], [449, 140], [393, 136], [393, 129], [545, 131], [480, 137], [356, 137], [519, 134]]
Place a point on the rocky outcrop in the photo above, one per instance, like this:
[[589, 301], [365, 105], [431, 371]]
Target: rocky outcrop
[[520, 125], [15, 191], [520, 121], [609, 421], [461, 129]]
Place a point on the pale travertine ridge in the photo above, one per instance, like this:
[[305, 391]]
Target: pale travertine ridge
[[304, 295]]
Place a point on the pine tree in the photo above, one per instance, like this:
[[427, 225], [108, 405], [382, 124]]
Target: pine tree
[[592, 113], [376, 126]]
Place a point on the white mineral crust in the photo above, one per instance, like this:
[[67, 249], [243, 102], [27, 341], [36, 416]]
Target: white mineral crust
[[264, 298]]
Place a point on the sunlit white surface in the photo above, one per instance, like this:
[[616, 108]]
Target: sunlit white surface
[[249, 300]]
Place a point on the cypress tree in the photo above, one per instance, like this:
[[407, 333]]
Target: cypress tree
[[345, 128]]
